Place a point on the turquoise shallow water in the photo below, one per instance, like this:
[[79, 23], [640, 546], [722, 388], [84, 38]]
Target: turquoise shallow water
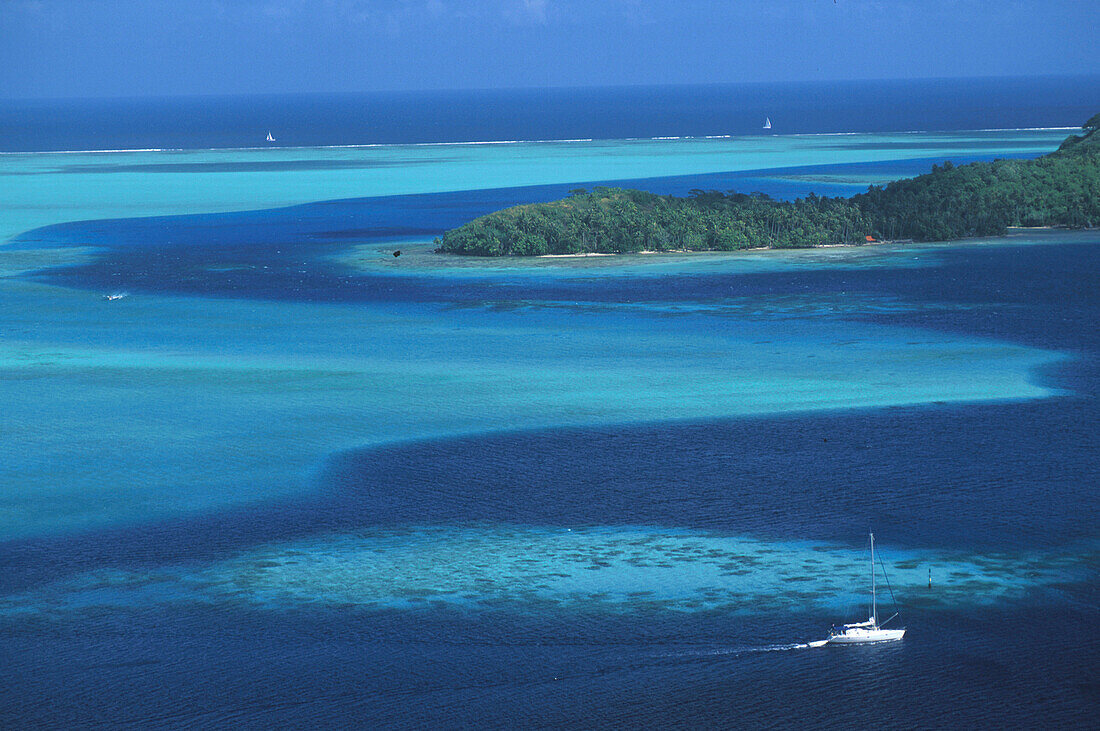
[[623, 569], [177, 405], [194, 474], [48, 188]]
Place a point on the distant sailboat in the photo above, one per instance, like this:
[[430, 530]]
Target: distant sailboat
[[767, 122], [270, 138]]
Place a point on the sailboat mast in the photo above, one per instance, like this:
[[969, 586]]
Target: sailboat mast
[[874, 604]]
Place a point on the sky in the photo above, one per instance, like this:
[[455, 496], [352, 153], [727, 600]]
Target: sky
[[93, 48]]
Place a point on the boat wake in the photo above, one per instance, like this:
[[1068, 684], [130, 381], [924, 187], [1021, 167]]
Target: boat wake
[[746, 650]]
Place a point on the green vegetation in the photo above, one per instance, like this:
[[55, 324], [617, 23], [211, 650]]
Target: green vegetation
[[985, 198], [951, 202]]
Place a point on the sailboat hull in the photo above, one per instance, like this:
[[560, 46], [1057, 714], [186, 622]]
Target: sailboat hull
[[861, 636], [869, 632]]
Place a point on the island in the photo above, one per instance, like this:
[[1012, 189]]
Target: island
[[950, 202]]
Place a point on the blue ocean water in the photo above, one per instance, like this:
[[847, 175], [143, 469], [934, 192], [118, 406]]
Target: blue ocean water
[[281, 253], [291, 480], [547, 114], [912, 473]]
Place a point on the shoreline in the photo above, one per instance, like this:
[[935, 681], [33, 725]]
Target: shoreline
[[687, 252], [421, 258], [581, 255], [684, 252]]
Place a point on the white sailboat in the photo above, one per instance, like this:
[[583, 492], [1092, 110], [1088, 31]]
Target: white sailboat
[[767, 122], [859, 633], [269, 137]]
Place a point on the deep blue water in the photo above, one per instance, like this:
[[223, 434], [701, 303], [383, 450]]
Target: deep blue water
[[281, 253], [543, 114], [1007, 477], [305, 227], [1004, 477], [331, 669]]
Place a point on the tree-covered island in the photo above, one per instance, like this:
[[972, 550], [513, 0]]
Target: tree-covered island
[[951, 202]]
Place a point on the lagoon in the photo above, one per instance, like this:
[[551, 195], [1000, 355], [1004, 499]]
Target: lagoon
[[484, 477]]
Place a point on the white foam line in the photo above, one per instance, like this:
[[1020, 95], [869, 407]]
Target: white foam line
[[934, 132], [93, 152], [369, 145], [839, 134], [1027, 129], [303, 147], [426, 144]]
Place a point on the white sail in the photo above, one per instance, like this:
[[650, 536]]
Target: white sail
[[767, 122], [270, 138], [858, 633]]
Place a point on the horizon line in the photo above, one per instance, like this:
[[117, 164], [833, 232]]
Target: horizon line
[[549, 87]]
